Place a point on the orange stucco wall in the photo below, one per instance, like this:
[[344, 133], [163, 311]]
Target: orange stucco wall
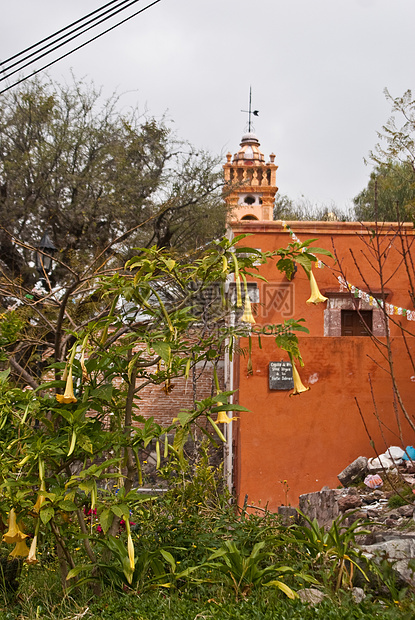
[[308, 439]]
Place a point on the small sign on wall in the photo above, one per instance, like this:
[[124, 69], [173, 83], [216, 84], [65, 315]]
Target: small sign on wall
[[280, 376]]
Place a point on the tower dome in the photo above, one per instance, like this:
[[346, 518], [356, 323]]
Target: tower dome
[[249, 150], [251, 181]]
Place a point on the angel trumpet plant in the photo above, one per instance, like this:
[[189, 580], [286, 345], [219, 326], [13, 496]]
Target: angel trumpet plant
[[247, 316], [68, 396], [85, 376], [21, 550], [130, 550], [31, 558], [237, 282], [40, 497], [298, 384], [223, 417], [14, 534], [316, 297]]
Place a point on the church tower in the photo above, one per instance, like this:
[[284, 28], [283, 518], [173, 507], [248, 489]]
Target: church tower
[[250, 182]]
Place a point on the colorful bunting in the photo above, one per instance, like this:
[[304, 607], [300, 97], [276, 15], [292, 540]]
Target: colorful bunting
[[358, 293], [372, 301]]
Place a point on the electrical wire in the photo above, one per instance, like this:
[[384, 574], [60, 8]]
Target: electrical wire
[[78, 47], [119, 8], [56, 33]]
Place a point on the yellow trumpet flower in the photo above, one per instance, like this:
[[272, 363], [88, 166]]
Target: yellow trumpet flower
[[31, 558], [298, 385], [316, 297], [85, 376], [14, 534], [247, 316], [21, 550], [130, 547], [68, 396], [223, 418], [238, 292], [40, 497]]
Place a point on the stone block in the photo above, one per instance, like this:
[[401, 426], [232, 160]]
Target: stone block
[[321, 506], [354, 472]]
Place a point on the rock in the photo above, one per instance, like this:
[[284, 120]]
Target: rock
[[354, 472], [358, 595], [311, 596], [288, 515], [398, 551], [406, 511], [368, 499], [373, 513], [391, 522], [348, 502], [321, 506], [354, 516]]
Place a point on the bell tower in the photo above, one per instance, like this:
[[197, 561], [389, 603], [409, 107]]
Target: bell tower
[[250, 182]]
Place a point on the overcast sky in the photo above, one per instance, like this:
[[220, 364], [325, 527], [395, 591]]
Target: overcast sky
[[317, 68]]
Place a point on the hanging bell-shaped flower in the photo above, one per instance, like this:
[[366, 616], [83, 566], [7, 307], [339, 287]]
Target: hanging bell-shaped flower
[[223, 418], [316, 297], [85, 376], [247, 316], [14, 534], [40, 497], [68, 396], [21, 550], [298, 385], [31, 558], [238, 292]]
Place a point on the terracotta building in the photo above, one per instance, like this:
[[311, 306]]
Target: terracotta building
[[300, 443]]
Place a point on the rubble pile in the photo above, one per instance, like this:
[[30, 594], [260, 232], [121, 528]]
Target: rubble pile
[[381, 492]]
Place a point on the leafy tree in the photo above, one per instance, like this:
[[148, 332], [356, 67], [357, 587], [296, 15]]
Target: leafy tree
[[286, 208], [389, 195], [65, 442], [394, 174], [398, 134], [91, 174]]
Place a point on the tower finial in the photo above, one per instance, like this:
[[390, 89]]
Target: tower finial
[[250, 112]]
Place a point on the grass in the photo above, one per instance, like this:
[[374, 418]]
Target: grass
[[200, 555], [171, 606]]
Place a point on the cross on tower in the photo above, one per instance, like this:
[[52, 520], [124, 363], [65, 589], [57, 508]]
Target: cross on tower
[[250, 112]]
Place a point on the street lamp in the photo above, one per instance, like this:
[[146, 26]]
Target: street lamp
[[44, 257]]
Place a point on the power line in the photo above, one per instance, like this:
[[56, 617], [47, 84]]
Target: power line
[[119, 8], [56, 33], [79, 46]]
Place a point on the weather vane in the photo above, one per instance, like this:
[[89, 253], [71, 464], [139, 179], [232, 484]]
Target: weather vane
[[250, 111]]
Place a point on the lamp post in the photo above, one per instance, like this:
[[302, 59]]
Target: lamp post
[[44, 258]]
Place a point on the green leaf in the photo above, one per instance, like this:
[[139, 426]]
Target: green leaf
[[4, 375], [320, 251], [283, 587], [117, 511], [162, 349], [46, 513], [106, 518], [304, 261], [169, 558], [85, 443], [67, 505], [78, 569]]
